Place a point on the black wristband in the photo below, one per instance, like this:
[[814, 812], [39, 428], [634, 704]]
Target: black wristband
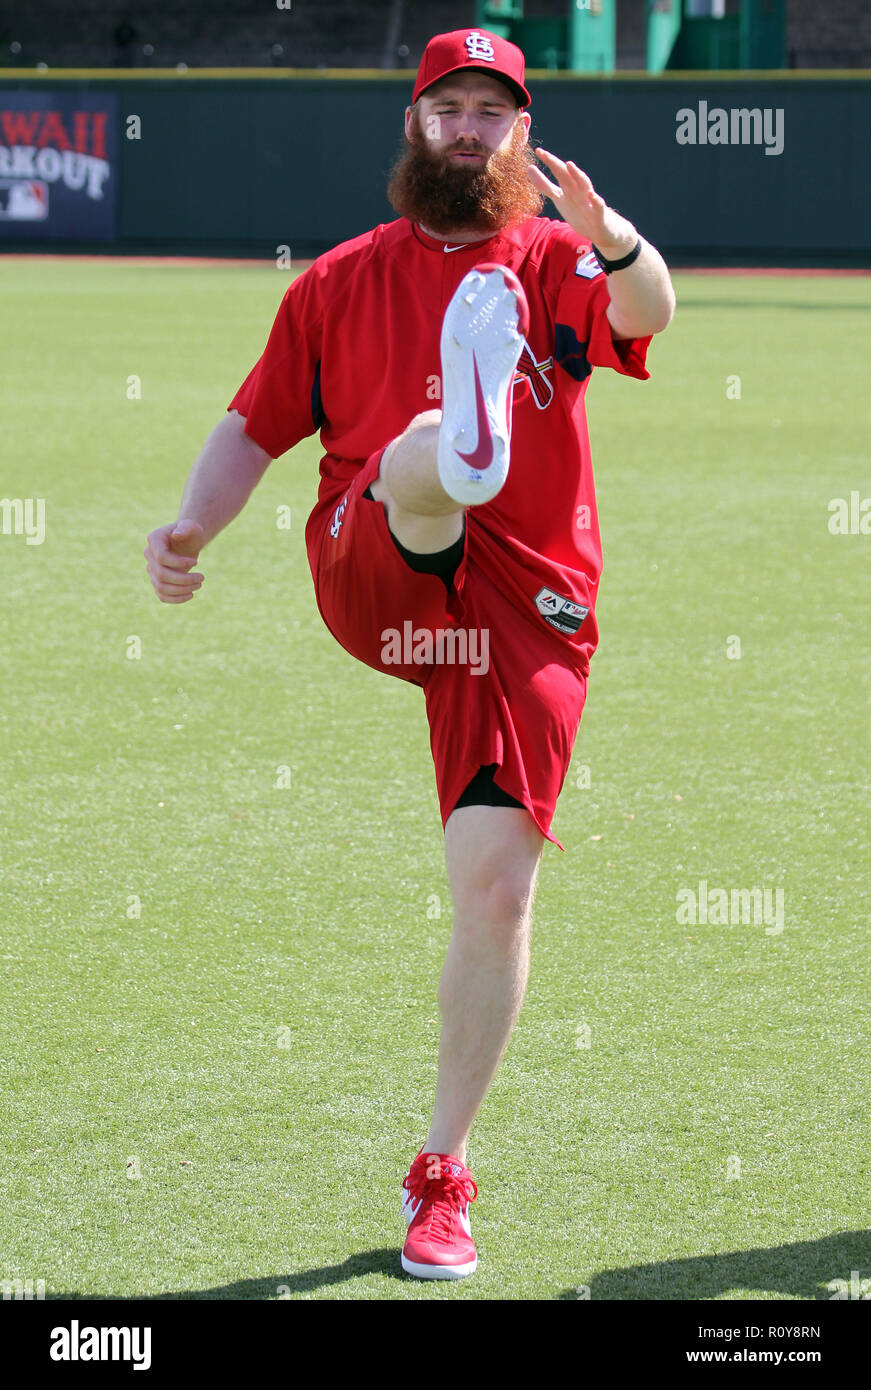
[[608, 266]]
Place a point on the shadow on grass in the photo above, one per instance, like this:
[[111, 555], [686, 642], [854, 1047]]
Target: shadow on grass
[[383, 1261], [802, 1270]]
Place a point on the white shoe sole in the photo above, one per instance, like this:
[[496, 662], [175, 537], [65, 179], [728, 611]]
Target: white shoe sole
[[482, 338], [439, 1271]]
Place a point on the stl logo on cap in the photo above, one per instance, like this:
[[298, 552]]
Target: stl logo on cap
[[467, 49], [479, 46]]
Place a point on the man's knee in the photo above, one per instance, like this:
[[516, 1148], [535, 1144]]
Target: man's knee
[[509, 897], [426, 417], [498, 910], [493, 857], [398, 447], [408, 482]]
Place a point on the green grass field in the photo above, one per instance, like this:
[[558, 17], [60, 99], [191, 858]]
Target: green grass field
[[219, 1017]]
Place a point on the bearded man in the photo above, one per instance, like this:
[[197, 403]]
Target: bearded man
[[434, 560]]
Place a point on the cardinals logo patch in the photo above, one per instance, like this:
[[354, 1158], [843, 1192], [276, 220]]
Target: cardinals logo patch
[[535, 373]]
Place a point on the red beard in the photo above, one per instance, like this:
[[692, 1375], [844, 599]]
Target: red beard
[[445, 198]]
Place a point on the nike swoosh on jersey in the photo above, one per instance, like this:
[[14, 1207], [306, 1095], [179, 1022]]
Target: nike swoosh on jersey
[[482, 455], [454, 248]]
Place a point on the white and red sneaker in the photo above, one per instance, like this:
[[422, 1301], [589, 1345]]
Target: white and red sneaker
[[439, 1243], [482, 338]]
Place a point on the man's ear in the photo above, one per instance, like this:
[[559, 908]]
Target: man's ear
[[526, 122], [409, 111]]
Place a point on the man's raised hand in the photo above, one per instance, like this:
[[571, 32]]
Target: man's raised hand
[[576, 200]]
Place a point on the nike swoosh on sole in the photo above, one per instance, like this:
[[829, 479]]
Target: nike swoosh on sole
[[482, 455]]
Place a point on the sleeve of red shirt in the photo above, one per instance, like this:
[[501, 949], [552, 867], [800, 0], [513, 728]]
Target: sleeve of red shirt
[[626, 355], [583, 333], [281, 398]]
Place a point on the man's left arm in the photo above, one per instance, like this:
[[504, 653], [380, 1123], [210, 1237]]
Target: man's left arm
[[642, 296]]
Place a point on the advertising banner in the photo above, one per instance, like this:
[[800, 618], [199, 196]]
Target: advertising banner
[[58, 165]]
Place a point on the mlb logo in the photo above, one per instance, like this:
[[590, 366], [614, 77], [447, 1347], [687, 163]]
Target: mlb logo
[[562, 613], [23, 200]]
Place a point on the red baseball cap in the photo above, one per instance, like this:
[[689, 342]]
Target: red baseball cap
[[476, 50]]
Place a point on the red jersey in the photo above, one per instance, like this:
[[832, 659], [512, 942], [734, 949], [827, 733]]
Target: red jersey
[[354, 352]]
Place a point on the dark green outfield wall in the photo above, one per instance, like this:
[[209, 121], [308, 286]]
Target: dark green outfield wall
[[238, 165]]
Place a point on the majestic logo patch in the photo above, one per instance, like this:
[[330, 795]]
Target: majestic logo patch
[[534, 372], [588, 266], [562, 613], [479, 46]]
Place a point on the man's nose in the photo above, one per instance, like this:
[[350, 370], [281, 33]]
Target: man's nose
[[468, 130]]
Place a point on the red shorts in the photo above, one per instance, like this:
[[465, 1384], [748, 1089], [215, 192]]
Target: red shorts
[[498, 686]]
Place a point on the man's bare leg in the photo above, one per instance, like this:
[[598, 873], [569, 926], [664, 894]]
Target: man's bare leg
[[421, 515], [493, 854]]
